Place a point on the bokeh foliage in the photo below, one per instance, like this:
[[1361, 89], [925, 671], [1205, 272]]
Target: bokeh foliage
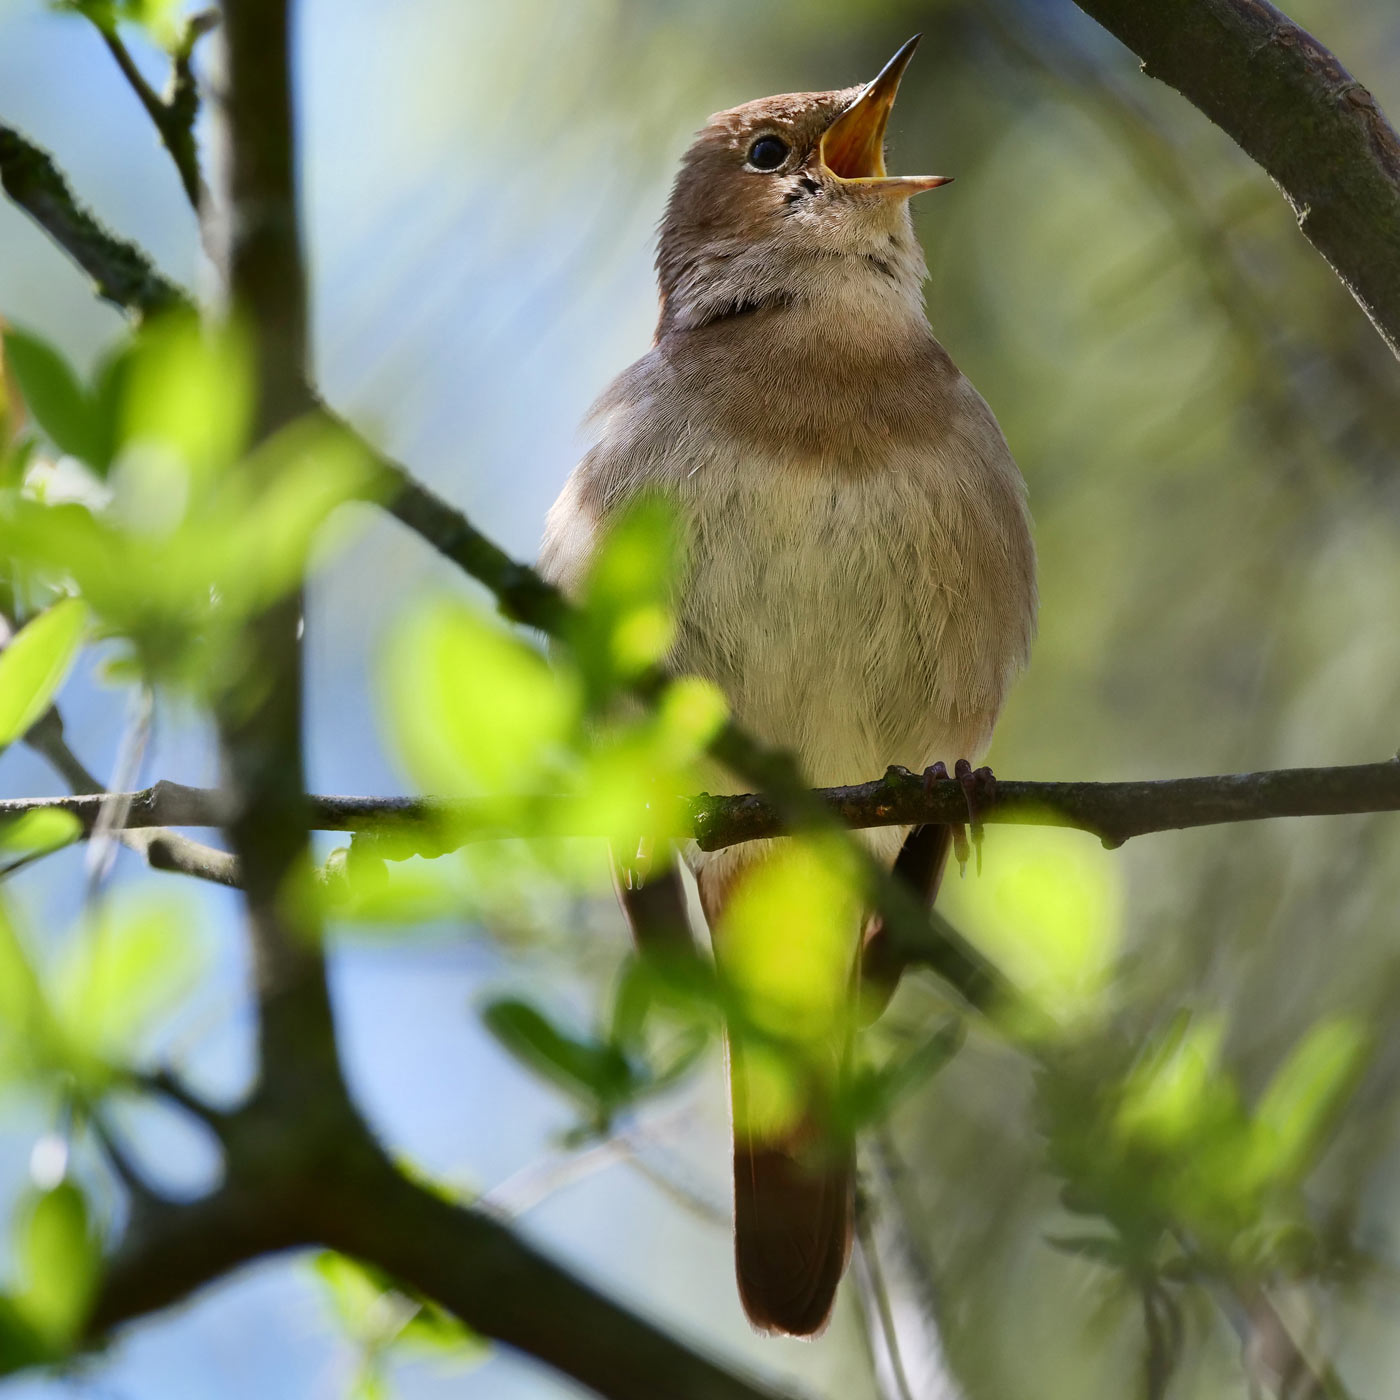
[[1209, 429]]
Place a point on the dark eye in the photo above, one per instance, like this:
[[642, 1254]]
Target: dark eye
[[767, 153]]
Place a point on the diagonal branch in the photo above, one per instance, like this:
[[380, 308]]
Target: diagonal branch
[[174, 116], [123, 274], [1295, 110]]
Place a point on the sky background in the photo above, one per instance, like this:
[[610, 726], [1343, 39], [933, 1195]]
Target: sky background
[[481, 185]]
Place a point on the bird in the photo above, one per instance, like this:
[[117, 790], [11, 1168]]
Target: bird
[[857, 573]]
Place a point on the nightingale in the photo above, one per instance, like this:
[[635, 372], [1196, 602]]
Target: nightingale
[[858, 576]]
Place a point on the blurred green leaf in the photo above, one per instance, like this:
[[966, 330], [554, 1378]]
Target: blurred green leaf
[[54, 394], [189, 541], [379, 1314], [36, 833], [474, 708], [1047, 909], [21, 1344], [34, 664], [59, 1260], [159, 18], [596, 1074], [26, 1027], [1300, 1104], [111, 983], [109, 393], [624, 623], [188, 391]]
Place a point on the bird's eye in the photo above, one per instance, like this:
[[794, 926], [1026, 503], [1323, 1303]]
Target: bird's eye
[[767, 153]]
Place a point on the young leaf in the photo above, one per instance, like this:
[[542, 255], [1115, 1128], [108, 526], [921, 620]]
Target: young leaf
[[58, 1258], [1291, 1121], [597, 1074], [38, 833], [53, 393], [34, 664], [112, 982]]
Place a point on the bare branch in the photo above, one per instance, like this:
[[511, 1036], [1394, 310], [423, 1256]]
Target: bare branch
[[1295, 110], [1115, 812], [173, 117], [259, 729], [123, 274], [329, 1185]]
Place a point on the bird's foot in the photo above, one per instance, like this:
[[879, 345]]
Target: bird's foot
[[979, 786]]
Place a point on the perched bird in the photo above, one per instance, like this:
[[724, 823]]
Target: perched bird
[[858, 574]]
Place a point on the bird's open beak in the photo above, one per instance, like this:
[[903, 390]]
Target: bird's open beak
[[853, 146]]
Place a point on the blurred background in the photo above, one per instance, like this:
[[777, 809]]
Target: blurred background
[[1209, 428]]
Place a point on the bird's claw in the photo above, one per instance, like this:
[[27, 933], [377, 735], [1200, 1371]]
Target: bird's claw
[[979, 787]]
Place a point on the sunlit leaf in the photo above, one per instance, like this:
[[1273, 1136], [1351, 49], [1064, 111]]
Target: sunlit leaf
[[1303, 1098], [1047, 909], [787, 940], [474, 708], [1166, 1096], [34, 664], [53, 393], [26, 1031], [189, 393], [377, 1312], [625, 622], [38, 832], [58, 1258], [113, 981]]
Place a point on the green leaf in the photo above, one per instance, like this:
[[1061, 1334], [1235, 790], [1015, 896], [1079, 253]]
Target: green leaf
[[476, 710], [53, 393], [1290, 1124], [596, 1073], [625, 621], [39, 832], [189, 392], [377, 1312], [111, 983], [21, 1345], [109, 390], [58, 1260], [34, 664]]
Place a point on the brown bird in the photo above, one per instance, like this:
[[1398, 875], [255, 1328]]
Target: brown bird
[[858, 572]]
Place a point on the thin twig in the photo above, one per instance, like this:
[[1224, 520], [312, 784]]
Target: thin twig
[[173, 117]]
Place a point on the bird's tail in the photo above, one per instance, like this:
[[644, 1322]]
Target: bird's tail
[[794, 1171], [793, 1203]]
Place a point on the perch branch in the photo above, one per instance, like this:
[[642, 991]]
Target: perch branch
[[1114, 812]]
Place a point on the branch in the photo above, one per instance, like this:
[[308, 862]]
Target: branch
[[174, 117], [1292, 107], [1114, 812], [334, 1188], [123, 274], [259, 727]]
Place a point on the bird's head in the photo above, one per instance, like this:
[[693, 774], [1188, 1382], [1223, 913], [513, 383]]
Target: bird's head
[[786, 201]]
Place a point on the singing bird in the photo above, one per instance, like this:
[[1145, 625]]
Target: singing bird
[[858, 576]]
